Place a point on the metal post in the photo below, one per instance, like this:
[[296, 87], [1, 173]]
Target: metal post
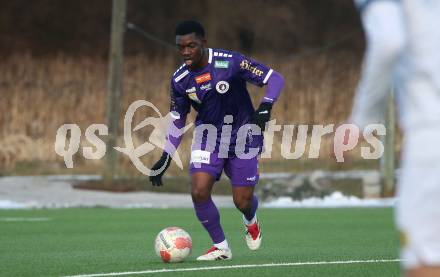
[[387, 161]]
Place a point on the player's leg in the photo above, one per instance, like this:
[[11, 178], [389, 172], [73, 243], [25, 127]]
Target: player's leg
[[418, 209], [385, 35], [203, 177], [247, 202], [243, 174]]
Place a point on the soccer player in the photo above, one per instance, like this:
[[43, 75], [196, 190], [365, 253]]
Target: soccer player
[[213, 82], [403, 50]]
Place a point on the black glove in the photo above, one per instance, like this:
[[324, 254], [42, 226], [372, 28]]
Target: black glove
[[262, 115], [164, 161]]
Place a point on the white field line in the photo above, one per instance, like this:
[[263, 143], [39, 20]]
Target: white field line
[[153, 271], [24, 219]]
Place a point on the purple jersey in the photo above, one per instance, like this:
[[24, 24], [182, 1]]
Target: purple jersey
[[218, 89]]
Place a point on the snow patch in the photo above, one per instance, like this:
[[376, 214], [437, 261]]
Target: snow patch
[[334, 200], [8, 204]]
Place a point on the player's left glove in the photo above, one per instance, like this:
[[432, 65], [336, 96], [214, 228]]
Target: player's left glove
[[164, 163], [262, 115]]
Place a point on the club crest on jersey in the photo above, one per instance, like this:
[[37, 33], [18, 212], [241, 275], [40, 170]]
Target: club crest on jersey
[[247, 65], [203, 78], [221, 64], [222, 87]]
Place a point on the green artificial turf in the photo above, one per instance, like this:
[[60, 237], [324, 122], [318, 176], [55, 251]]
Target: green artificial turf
[[100, 240]]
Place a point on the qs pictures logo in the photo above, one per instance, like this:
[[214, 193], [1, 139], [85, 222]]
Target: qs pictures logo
[[67, 148]]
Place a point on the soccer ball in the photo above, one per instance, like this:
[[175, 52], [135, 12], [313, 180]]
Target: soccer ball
[[173, 244]]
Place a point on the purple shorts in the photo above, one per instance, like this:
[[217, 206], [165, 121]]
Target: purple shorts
[[241, 172]]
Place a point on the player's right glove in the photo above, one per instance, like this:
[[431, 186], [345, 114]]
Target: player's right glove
[[262, 115], [164, 162]]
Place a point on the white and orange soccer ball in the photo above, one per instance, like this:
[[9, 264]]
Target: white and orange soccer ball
[[173, 245]]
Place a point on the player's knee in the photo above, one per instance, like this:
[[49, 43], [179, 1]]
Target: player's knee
[[199, 194], [243, 202]]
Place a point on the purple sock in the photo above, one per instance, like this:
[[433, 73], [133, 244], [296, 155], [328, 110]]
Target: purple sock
[[208, 215], [249, 215]]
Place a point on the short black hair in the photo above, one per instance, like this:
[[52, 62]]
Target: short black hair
[[188, 27]]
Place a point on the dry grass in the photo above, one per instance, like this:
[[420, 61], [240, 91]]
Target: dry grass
[[39, 95]]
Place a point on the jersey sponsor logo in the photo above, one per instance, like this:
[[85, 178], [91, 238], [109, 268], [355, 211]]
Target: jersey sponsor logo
[[193, 96], [200, 156], [253, 178], [247, 65], [206, 87], [222, 87], [191, 90], [221, 64], [203, 78]]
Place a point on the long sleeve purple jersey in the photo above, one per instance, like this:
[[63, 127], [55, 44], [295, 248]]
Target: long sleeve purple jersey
[[219, 90]]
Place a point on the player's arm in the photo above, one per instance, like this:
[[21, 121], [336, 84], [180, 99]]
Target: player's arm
[[174, 133], [261, 75], [179, 108], [274, 85]]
